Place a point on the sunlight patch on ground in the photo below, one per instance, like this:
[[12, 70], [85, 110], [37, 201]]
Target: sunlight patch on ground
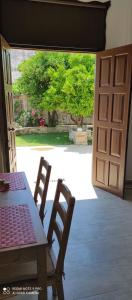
[[72, 163], [42, 149]]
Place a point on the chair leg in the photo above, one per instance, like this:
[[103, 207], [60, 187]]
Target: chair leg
[[54, 290], [60, 290]]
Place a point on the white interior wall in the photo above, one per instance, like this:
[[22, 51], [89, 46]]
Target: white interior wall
[[119, 24], [119, 33], [128, 175]]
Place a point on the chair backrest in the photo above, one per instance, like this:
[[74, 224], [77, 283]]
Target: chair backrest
[[42, 185], [61, 231]]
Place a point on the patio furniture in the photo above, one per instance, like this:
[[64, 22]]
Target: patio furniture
[[42, 185], [55, 267], [22, 238]]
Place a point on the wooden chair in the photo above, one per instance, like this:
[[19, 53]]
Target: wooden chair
[[25, 274], [42, 185], [61, 232]]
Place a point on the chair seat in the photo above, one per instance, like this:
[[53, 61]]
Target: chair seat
[[25, 271]]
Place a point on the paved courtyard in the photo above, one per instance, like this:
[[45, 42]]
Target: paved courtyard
[[72, 163]]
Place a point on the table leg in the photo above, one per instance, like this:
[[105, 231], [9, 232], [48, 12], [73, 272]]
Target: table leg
[[42, 272]]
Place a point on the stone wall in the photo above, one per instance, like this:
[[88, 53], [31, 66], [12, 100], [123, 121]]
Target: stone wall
[[63, 128]]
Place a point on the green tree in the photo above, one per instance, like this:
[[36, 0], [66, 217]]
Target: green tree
[[53, 98], [72, 91], [87, 60], [35, 77], [59, 81], [79, 93]]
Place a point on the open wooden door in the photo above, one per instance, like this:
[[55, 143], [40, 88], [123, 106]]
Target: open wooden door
[[7, 130], [112, 97]]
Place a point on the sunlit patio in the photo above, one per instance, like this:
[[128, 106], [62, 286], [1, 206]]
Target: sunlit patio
[[72, 163]]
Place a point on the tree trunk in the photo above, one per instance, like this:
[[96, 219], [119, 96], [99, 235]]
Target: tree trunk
[[81, 121], [52, 118], [77, 120]]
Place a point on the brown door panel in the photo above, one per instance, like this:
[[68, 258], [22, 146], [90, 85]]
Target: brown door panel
[[112, 98], [7, 132]]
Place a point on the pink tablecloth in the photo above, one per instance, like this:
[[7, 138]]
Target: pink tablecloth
[[16, 226], [15, 180]]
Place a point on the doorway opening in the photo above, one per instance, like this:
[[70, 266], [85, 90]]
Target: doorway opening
[[53, 110]]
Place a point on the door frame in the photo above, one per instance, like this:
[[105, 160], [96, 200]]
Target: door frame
[[5, 129], [3, 124]]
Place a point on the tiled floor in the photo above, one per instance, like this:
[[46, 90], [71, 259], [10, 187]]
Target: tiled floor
[[98, 263]]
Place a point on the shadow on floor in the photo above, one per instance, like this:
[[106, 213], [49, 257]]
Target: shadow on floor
[[98, 263], [81, 149]]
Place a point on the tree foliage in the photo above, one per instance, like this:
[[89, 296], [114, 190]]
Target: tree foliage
[[35, 79], [78, 89], [59, 81]]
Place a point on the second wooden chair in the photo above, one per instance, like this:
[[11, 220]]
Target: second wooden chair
[[41, 188]]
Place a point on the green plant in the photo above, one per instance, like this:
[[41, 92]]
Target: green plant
[[29, 118], [90, 141], [17, 106], [20, 118], [32, 118]]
